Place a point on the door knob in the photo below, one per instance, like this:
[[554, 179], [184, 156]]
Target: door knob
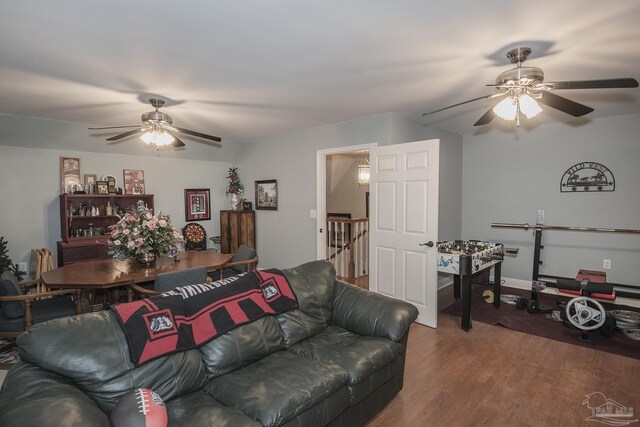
[[429, 244]]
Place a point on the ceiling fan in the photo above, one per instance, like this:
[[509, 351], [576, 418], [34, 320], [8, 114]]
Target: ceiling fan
[[520, 89], [157, 129]]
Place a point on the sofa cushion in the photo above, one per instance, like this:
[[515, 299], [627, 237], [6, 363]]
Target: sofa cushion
[[241, 346], [197, 409], [11, 325], [369, 361], [359, 356], [313, 285], [44, 399], [92, 351], [9, 287], [368, 313], [280, 387]]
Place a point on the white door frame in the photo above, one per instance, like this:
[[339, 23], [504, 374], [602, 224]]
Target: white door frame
[[321, 190]]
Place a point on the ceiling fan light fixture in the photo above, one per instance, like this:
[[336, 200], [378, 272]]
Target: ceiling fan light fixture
[[507, 109], [157, 138], [529, 106]]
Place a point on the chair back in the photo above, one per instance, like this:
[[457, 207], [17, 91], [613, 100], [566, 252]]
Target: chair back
[[166, 281], [243, 253], [195, 237]]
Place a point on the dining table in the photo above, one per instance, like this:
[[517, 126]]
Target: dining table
[[111, 274]]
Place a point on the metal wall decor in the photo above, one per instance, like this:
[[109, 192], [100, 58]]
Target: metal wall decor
[[587, 176]]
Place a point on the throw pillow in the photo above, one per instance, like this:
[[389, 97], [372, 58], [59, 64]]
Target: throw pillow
[[9, 287]]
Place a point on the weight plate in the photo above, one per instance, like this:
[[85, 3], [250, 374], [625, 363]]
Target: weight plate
[[585, 313], [522, 303], [626, 316], [532, 307], [509, 299], [488, 296], [545, 308], [634, 334]]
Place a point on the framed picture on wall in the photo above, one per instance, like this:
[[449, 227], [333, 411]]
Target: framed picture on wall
[[197, 206], [70, 174], [133, 181], [267, 194]]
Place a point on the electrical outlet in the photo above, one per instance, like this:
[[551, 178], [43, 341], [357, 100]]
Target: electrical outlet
[[606, 264]]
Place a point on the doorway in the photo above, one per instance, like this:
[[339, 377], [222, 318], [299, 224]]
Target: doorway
[[342, 211]]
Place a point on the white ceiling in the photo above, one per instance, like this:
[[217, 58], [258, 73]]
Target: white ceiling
[[247, 69]]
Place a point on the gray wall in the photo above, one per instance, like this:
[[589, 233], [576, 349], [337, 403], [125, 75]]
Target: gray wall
[[508, 176], [287, 237]]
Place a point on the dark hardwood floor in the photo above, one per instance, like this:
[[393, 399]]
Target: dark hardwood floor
[[492, 376]]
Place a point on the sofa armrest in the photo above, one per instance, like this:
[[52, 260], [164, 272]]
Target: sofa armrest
[[371, 314], [32, 396]]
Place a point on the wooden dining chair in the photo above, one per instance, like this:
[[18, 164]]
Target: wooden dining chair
[[20, 307], [167, 281], [245, 259]]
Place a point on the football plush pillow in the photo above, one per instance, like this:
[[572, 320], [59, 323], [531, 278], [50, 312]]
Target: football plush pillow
[[139, 408]]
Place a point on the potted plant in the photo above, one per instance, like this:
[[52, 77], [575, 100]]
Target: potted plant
[[234, 187], [6, 264]]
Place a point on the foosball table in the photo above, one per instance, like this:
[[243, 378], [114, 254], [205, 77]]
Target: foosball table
[[464, 258]]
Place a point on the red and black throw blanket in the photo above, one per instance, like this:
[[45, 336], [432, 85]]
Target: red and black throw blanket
[[189, 316]]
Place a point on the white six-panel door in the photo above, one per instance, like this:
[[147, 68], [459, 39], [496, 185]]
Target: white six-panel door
[[404, 219]]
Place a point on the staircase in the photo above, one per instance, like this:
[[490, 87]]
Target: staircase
[[348, 248]]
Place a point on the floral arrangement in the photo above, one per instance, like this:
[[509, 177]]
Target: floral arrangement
[[141, 232], [234, 186]]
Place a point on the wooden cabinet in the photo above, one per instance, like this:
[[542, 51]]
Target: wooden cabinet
[[237, 228], [84, 223]]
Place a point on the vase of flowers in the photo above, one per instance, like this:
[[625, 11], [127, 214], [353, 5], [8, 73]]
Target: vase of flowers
[[143, 236], [234, 187]]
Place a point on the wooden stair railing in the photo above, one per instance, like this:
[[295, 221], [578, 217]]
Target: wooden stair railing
[[350, 238]]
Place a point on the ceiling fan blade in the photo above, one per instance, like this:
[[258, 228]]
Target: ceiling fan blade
[[493, 95], [177, 143], [486, 117], [116, 127], [198, 134], [563, 104], [593, 84], [124, 135]]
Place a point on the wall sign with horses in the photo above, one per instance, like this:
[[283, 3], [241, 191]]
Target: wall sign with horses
[[587, 176]]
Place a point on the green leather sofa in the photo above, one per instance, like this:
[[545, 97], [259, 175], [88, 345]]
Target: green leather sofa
[[337, 360]]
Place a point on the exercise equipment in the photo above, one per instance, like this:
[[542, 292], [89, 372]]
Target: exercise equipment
[[488, 296], [509, 299], [633, 334], [585, 313]]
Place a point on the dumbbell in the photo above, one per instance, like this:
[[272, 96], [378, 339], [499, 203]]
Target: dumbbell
[[532, 306]]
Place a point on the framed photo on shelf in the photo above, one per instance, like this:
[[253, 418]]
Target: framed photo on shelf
[[267, 194], [102, 187], [133, 181], [112, 182], [197, 205], [90, 180], [69, 173]]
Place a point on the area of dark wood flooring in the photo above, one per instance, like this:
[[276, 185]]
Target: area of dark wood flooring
[[497, 377]]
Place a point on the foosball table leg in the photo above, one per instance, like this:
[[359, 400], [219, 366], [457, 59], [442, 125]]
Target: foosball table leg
[[456, 286], [497, 278], [465, 321]]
